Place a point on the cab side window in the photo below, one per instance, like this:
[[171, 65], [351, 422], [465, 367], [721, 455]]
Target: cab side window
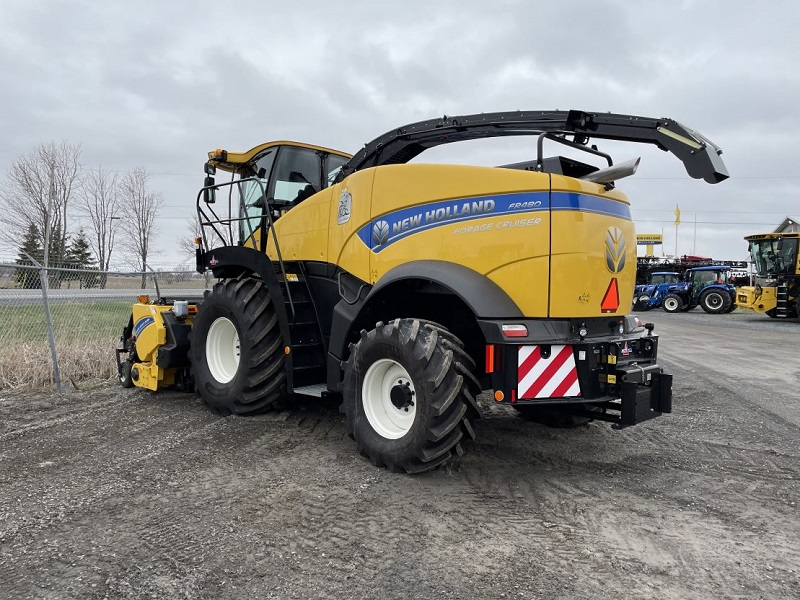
[[297, 175], [333, 165]]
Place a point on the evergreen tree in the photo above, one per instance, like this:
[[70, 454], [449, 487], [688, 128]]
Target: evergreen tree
[[28, 278], [78, 255]]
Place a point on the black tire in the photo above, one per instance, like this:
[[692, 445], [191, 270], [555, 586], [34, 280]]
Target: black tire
[[715, 301], [124, 375], [435, 380], [129, 346], [555, 416], [247, 378], [672, 303], [772, 313]]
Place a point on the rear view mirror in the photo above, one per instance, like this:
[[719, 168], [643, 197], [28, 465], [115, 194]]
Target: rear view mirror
[[780, 244], [209, 193]]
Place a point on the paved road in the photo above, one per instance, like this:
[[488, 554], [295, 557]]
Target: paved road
[[29, 297]]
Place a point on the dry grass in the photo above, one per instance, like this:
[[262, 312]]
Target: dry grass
[[86, 336], [28, 365]]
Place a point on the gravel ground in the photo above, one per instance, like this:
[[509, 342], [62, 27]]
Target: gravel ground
[[114, 493]]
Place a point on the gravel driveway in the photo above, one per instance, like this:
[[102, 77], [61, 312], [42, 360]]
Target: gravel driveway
[[113, 493]]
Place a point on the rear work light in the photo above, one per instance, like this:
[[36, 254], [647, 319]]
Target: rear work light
[[515, 330]]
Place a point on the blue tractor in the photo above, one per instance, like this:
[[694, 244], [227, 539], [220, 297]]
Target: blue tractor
[[707, 287], [651, 294]]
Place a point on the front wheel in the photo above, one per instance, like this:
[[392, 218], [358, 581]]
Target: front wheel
[[237, 351], [672, 303], [715, 301], [124, 375], [409, 395]]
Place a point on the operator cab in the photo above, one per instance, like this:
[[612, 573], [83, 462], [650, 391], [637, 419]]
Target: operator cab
[[774, 255], [703, 276], [273, 178]]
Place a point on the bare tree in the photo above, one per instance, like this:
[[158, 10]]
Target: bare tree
[[186, 243], [100, 204], [37, 192], [139, 207]]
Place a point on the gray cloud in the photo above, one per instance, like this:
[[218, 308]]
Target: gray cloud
[[158, 84]]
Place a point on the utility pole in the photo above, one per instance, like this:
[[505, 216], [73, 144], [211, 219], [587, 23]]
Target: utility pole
[[48, 217]]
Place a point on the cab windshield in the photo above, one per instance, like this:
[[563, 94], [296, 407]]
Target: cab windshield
[[774, 256], [658, 278], [710, 276]]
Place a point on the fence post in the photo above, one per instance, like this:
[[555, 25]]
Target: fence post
[[43, 276]]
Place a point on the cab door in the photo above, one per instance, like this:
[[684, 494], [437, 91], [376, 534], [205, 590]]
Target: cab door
[[299, 204]]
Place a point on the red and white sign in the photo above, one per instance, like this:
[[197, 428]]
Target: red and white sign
[[552, 377]]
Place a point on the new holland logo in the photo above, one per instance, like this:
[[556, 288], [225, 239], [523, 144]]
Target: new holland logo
[[380, 233], [615, 249]]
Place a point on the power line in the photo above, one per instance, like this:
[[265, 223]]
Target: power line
[[690, 211], [685, 222]]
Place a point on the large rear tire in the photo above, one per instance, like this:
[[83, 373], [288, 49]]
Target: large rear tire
[[715, 301], [236, 349], [409, 395]]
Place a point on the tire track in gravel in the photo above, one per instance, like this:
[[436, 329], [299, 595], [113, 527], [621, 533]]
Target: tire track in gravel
[[571, 495], [182, 503], [73, 496]]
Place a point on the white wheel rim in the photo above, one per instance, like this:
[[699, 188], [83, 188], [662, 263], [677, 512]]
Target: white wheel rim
[[671, 303], [222, 350], [386, 419]]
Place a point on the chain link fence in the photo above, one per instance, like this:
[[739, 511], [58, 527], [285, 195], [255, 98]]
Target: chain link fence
[[87, 311]]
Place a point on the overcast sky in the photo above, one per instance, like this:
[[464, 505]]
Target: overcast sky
[[157, 84]]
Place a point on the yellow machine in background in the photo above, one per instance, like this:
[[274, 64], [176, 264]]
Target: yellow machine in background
[[156, 340], [776, 260], [404, 289]]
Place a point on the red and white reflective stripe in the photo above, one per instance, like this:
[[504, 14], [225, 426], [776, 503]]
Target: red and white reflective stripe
[[552, 377]]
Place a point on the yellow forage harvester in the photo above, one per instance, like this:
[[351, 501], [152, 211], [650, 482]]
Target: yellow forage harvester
[[403, 289]]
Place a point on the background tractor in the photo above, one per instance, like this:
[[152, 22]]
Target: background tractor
[[402, 290], [706, 287], [775, 258], [651, 293]]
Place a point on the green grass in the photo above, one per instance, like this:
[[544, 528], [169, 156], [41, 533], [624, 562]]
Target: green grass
[[90, 321]]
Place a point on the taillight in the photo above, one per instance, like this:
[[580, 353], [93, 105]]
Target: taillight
[[515, 330]]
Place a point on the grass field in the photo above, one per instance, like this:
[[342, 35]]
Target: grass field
[[86, 335], [89, 320]]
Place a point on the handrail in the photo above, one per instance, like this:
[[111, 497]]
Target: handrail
[[266, 224]]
